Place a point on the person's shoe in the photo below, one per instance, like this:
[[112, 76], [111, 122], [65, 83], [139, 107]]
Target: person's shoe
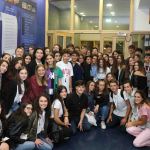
[[103, 125]]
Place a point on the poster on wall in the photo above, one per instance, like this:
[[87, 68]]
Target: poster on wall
[[26, 21], [9, 32]]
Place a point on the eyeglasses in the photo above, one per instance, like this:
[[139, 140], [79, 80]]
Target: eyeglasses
[[29, 108]]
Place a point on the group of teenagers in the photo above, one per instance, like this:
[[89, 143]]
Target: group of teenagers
[[46, 96]]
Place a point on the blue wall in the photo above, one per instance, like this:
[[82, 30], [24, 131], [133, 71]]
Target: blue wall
[[31, 21]]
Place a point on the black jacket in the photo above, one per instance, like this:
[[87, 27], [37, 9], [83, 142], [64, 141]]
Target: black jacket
[[31, 68], [16, 125], [8, 93], [33, 124]]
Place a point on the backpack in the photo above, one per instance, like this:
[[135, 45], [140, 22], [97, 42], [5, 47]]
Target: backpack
[[121, 93]]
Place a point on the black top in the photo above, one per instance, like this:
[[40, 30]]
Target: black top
[[16, 125], [102, 99], [76, 104], [31, 68], [140, 82]]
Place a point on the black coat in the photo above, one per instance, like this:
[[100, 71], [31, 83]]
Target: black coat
[[31, 68], [16, 125], [8, 93]]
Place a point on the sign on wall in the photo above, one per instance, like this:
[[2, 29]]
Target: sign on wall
[[25, 21]]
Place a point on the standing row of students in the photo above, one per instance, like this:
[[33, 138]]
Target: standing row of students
[[114, 102]]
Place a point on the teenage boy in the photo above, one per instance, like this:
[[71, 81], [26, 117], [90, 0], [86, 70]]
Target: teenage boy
[[67, 70], [130, 91], [120, 106], [77, 69], [77, 104]]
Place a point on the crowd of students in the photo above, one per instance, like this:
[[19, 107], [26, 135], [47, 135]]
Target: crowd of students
[[46, 95]]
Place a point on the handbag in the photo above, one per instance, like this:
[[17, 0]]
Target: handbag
[[56, 133], [91, 118]]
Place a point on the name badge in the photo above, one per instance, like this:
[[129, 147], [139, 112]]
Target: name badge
[[51, 91]]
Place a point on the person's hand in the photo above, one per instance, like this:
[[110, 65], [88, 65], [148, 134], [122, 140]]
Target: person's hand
[[129, 124], [49, 140], [109, 119], [123, 121], [66, 122], [90, 113], [96, 109], [80, 126], [38, 142]]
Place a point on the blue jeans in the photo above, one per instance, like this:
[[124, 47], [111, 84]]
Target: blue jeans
[[85, 124], [103, 113], [44, 146], [28, 145]]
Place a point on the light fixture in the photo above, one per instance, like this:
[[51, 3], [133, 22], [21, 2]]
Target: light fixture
[[112, 13], [82, 13], [116, 21], [117, 26], [96, 26], [75, 6], [90, 21], [108, 20], [108, 5]]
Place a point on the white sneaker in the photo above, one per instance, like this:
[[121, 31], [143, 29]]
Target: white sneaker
[[103, 125]]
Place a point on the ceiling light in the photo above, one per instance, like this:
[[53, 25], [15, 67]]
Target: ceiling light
[[112, 13], [108, 5], [117, 26], [116, 21], [75, 6], [96, 26], [108, 20], [82, 13], [90, 21]]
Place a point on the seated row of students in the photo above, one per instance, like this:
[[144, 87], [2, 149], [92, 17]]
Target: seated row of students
[[27, 129]]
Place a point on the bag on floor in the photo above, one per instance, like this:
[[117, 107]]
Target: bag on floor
[[91, 118]]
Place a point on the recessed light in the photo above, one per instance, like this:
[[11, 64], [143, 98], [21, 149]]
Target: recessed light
[[82, 13], [117, 26], [108, 5], [108, 20], [90, 21], [112, 13], [116, 21], [75, 6]]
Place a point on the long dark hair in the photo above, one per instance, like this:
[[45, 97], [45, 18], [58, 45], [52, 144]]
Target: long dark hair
[[57, 95], [104, 64], [20, 111], [142, 94], [97, 86], [87, 86], [12, 71], [19, 82], [37, 107]]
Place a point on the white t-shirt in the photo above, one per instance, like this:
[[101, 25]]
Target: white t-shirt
[[120, 103], [130, 97], [67, 73], [102, 74], [56, 105]]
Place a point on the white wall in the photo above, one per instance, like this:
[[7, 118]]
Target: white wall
[[141, 18]]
